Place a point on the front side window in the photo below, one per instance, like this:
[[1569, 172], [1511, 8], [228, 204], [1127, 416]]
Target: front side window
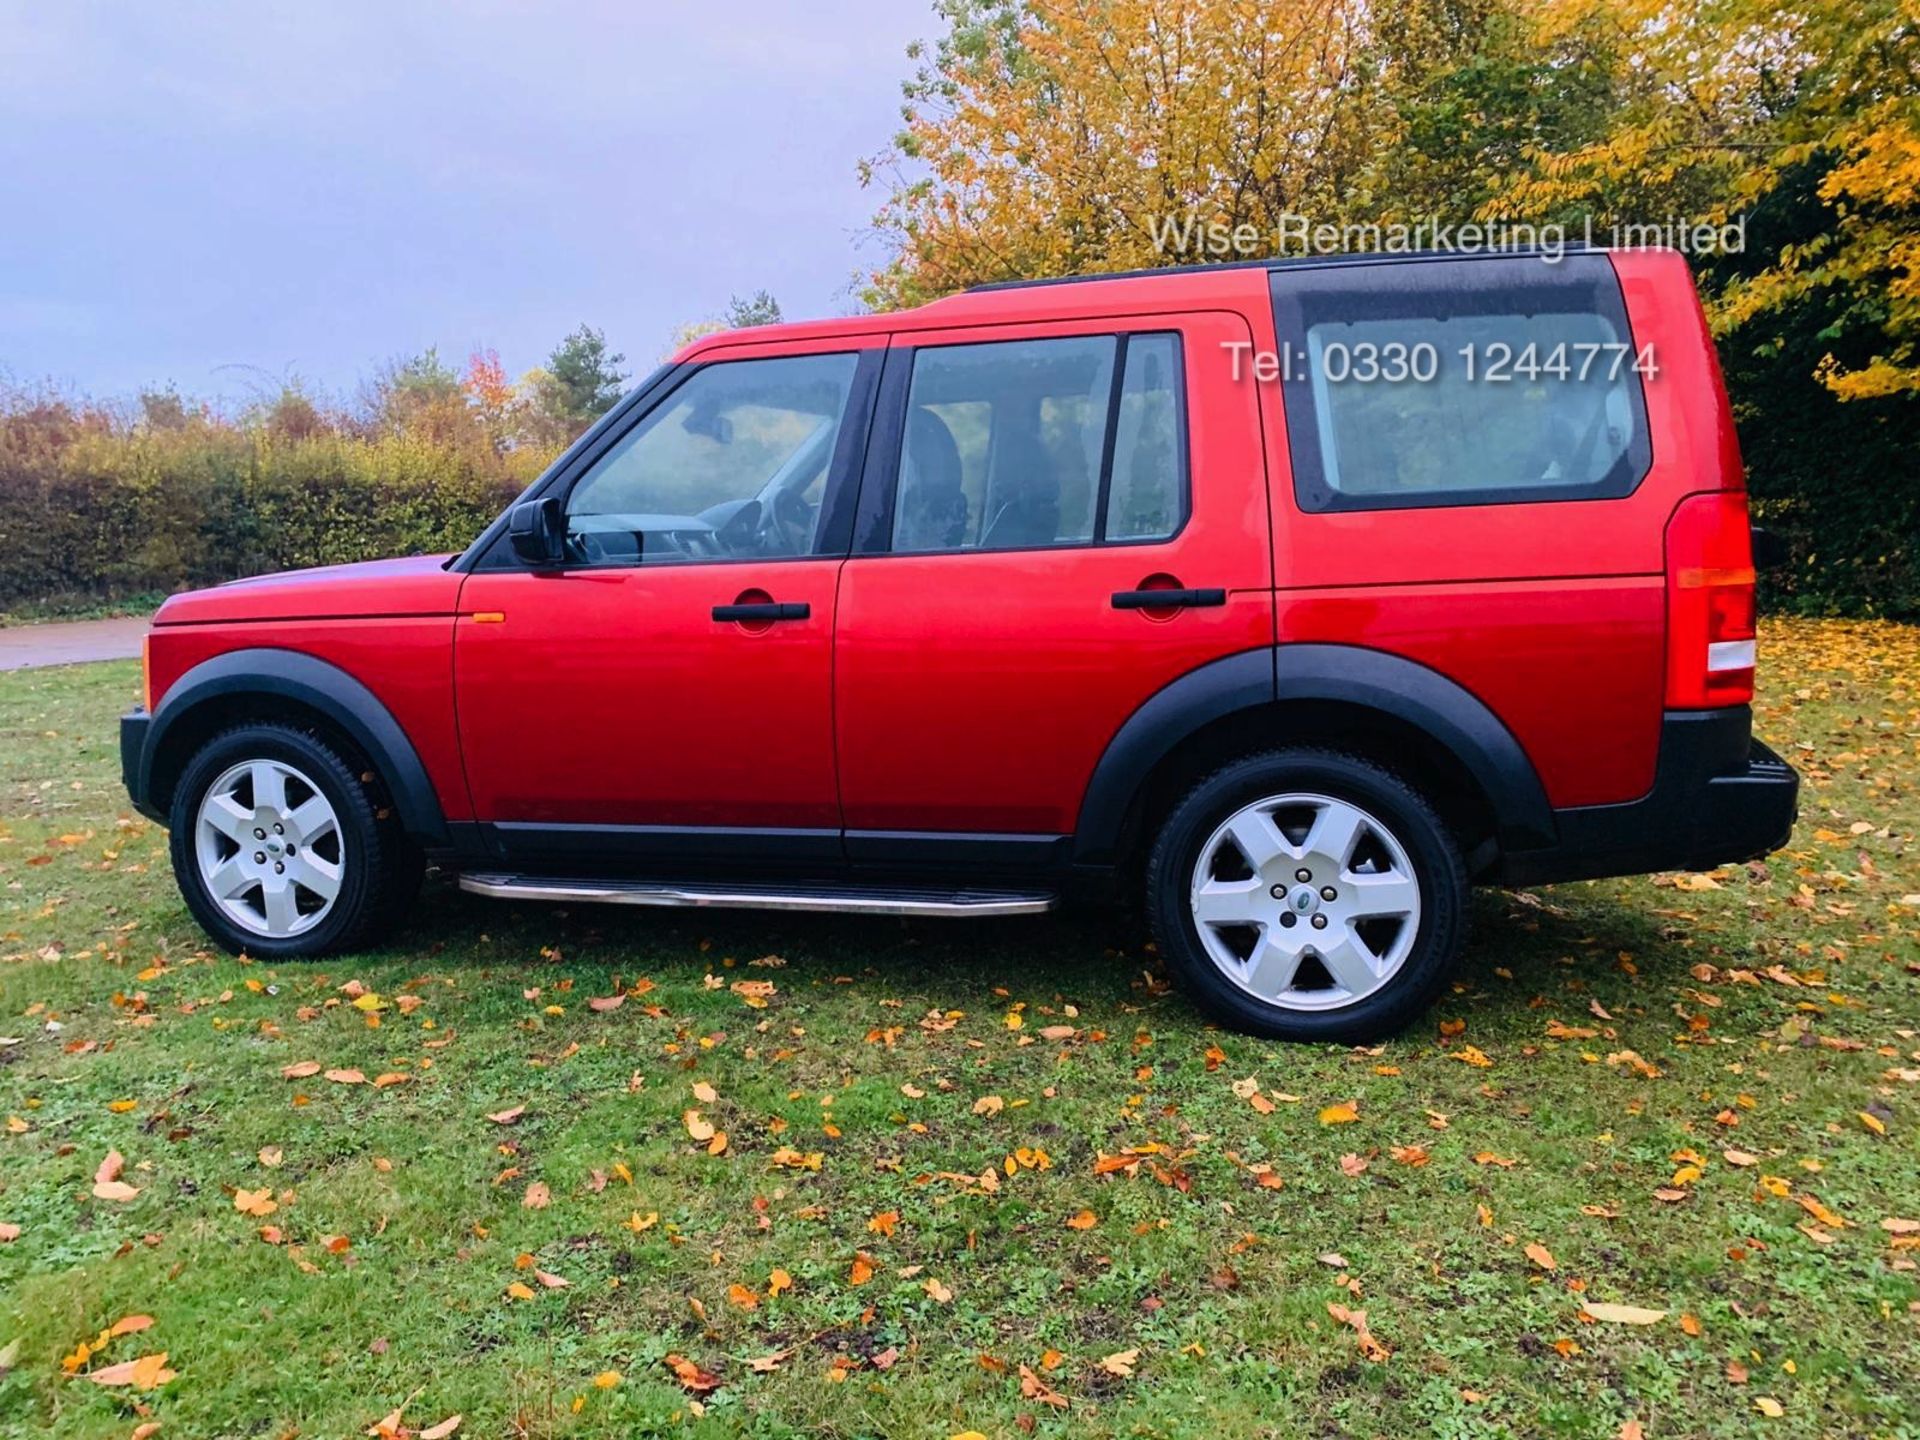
[[1466, 382], [1025, 444], [733, 464]]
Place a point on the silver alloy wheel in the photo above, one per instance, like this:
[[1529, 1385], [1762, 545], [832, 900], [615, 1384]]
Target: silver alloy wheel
[[1305, 901], [270, 848]]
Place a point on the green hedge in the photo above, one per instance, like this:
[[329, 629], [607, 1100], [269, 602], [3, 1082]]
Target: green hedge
[[108, 512]]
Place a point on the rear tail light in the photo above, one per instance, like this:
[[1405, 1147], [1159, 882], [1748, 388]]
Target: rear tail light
[[1710, 630]]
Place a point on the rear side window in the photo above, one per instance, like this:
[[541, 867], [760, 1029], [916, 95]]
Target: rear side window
[[1146, 498], [1027, 444], [1460, 382]]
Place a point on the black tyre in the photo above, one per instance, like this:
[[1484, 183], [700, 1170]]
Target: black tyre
[[281, 847], [1308, 894]]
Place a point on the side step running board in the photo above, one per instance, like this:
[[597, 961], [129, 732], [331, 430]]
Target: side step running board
[[851, 899]]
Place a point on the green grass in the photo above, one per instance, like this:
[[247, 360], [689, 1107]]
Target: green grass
[[1771, 1014]]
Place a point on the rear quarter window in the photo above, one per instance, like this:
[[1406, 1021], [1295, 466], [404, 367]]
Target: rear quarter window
[[1460, 382]]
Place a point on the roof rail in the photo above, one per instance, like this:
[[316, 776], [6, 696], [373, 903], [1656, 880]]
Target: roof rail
[[1296, 262]]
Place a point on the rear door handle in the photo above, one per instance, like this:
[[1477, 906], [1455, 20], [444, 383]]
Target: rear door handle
[[785, 610], [1168, 599]]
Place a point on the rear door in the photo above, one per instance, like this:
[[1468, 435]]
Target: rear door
[[1027, 489]]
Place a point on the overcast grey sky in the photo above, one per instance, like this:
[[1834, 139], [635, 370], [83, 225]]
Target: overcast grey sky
[[189, 189]]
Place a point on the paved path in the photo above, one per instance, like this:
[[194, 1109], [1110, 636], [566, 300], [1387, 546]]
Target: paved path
[[70, 642]]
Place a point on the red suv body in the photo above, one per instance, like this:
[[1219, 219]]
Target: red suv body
[[1392, 574]]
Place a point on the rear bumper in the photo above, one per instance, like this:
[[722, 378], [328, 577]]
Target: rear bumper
[[133, 771], [1718, 796]]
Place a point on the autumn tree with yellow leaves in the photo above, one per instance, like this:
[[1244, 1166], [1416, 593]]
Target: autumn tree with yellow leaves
[[1052, 137], [1048, 139]]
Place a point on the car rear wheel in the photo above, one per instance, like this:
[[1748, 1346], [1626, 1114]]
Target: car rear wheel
[[281, 848], [1308, 895]]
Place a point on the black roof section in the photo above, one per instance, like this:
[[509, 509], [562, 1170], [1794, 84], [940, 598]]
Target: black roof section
[[1296, 262]]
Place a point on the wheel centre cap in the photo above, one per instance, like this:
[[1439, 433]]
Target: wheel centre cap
[[1303, 901]]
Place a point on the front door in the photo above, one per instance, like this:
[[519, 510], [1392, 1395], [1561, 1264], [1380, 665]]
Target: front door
[[1029, 491], [668, 689]]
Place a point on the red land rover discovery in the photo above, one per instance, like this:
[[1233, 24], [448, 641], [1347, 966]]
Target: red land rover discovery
[[1297, 595]]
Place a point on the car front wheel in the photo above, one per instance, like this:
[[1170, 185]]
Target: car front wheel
[[281, 850], [1308, 895]]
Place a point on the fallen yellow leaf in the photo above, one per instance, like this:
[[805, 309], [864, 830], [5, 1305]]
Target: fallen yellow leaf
[[145, 1373], [1622, 1314]]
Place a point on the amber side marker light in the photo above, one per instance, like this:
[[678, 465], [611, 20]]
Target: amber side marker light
[[146, 672], [488, 617]]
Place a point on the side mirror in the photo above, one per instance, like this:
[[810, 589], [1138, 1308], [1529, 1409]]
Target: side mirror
[[1770, 550], [536, 531]]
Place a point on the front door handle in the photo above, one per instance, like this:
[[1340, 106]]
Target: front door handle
[[1168, 599], [770, 610]]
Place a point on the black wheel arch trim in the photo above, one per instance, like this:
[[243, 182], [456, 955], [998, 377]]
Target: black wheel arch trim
[[321, 686], [1393, 685]]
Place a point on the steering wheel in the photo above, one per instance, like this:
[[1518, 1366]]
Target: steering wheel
[[789, 524], [741, 534], [583, 547]]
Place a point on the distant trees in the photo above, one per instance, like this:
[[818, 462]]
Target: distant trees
[[586, 377], [420, 395], [759, 308]]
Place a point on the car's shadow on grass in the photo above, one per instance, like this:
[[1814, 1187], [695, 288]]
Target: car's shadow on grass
[[1578, 940]]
